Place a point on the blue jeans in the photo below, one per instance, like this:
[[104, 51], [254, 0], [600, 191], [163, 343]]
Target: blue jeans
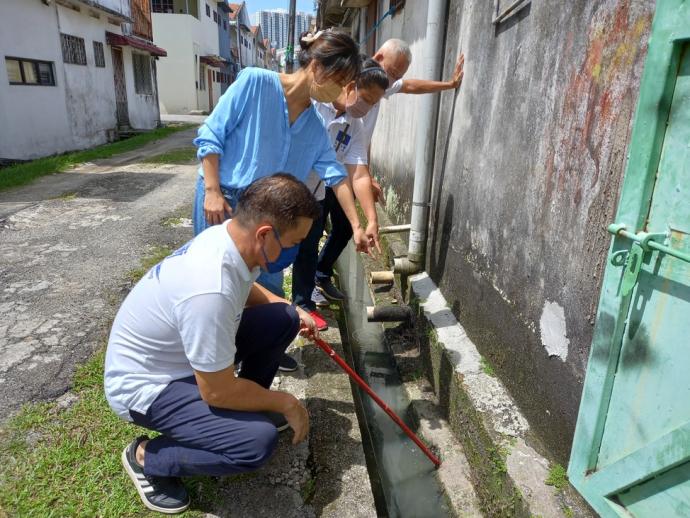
[[304, 269], [202, 440], [341, 233], [270, 281]]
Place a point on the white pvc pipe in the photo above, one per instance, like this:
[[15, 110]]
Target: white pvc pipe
[[425, 142]]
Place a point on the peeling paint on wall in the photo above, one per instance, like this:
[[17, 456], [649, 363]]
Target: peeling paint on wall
[[553, 333]]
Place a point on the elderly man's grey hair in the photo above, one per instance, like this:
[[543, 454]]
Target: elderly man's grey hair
[[398, 47]]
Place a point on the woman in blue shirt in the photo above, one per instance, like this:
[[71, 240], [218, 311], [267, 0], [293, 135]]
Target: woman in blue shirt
[[265, 123]]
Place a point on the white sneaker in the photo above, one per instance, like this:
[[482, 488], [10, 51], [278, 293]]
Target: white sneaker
[[318, 299]]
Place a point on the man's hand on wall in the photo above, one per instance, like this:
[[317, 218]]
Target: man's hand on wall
[[459, 71]]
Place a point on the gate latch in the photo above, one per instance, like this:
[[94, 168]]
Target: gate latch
[[632, 259]]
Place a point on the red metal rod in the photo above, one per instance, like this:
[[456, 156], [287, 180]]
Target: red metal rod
[[337, 359]]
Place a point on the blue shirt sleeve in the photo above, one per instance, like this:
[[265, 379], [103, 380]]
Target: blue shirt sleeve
[[212, 134], [327, 166]]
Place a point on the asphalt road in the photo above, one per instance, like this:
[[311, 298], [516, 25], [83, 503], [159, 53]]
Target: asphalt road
[[67, 242]]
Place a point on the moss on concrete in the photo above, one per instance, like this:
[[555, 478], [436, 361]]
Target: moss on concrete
[[487, 458]]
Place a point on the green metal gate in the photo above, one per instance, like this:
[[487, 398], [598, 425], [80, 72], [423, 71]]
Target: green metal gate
[[631, 451]]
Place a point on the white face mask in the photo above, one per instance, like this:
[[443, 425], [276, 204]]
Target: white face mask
[[359, 108]]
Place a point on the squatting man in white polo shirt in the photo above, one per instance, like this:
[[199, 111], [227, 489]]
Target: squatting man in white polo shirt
[[174, 345]]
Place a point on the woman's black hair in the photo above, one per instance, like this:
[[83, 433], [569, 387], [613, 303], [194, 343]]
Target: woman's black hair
[[372, 74], [336, 52]]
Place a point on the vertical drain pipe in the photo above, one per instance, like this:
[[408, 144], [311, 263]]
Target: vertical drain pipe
[[425, 143]]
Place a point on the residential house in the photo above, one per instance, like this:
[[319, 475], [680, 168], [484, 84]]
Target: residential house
[[189, 79], [271, 63], [86, 71], [225, 75], [241, 36], [260, 49], [236, 39]]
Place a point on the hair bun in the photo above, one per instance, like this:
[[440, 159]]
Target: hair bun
[[307, 38]]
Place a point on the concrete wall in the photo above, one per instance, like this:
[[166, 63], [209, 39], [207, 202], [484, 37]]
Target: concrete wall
[[177, 72], [529, 158], [76, 113]]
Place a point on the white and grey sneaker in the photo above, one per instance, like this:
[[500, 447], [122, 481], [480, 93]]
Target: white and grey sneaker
[[163, 494], [318, 299]]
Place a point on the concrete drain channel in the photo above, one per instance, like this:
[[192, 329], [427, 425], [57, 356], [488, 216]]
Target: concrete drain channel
[[403, 479]]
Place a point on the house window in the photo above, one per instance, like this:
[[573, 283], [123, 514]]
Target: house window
[[142, 74], [73, 49], [215, 16], [163, 6], [98, 54], [225, 25], [208, 11], [30, 72]]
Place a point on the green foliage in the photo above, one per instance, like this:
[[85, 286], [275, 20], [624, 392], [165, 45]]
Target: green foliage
[[57, 462], [558, 477], [155, 256], [308, 490], [486, 367], [26, 172], [184, 155]]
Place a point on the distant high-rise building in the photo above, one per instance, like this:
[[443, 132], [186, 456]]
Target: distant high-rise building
[[275, 23]]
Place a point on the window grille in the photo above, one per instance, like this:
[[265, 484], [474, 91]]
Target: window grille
[[98, 54], [73, 49], [30, 72], [163, 6], [142, 74]]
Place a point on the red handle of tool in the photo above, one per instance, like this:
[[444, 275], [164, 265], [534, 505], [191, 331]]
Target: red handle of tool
[[337, 359]]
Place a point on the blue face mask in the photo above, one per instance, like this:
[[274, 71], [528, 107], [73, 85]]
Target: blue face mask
[[286, 258]]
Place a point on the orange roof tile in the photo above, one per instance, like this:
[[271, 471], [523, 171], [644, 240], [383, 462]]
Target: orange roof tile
[[235, 9]]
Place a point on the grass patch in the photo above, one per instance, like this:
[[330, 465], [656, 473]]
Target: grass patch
[[184, 155], [308, 490], [24, 173], [287, 283], [154, 256], [58, 462], [66, 196], [486, 367], [558, 477]]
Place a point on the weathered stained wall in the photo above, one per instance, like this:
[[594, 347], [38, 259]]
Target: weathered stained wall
[[79, 111], [143, 108], [530, 154]]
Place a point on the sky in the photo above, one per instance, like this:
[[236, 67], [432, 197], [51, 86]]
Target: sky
[[306, 6]]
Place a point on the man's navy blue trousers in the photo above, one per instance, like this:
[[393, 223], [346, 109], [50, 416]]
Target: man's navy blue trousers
[[201, 440]]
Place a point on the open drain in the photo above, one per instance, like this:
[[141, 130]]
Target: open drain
[[403, 479]]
